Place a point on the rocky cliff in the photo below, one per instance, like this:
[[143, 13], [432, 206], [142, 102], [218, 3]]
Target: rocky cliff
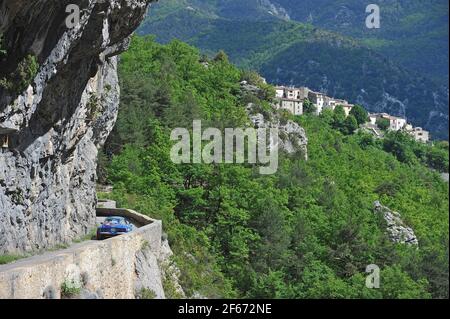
[[293, 137], [396, 228], [59, 98]]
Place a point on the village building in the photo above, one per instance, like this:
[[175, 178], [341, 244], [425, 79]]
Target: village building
[[347, 108], [279, 92], [420, 134], [398, 123], [291, 92], [318, 99], [332, 103], [292, 99], [395, 123], [295, 106]]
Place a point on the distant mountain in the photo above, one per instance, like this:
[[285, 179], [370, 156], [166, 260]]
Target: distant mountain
[[263, 35], [413, 33]]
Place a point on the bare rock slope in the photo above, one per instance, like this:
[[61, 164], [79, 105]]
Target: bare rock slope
[[59, 99], [396, 228]]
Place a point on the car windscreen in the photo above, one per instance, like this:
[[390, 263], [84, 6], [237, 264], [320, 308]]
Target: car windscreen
[[113, 220]]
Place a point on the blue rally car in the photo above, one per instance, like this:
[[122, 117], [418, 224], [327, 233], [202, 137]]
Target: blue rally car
[[113, 226]]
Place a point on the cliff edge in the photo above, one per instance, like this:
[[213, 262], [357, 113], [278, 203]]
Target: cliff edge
[[59, 98]]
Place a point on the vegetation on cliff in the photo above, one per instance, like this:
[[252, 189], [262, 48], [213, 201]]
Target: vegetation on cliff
[[308, 231]]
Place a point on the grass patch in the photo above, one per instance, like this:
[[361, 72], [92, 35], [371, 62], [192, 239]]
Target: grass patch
[[89, 236], [6, 259], [146, 293]]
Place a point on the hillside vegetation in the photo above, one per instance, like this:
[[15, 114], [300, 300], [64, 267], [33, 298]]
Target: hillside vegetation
[[400, 69], [308, 231]]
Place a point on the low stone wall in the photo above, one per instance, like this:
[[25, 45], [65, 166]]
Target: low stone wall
[[121, 267]]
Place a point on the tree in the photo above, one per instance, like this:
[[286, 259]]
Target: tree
[[383, 124], [252, 77], [396, 284], [339, 118], [350, 124], [437, 159], [360, 114], [400, 145], [221, 56], [309, 107], [327, 115]]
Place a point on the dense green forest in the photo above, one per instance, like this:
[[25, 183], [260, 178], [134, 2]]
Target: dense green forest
[[308, 231]]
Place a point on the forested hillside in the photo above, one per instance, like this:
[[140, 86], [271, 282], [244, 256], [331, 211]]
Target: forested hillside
[[308, 231], [400, 69]]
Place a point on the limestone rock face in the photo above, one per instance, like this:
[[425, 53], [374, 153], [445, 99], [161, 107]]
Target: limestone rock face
[[292, 137], [396, 228], [57, 122]]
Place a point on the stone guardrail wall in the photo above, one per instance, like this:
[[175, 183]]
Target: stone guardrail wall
[[119, 267]]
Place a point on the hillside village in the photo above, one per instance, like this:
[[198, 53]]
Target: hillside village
[[294, 99]]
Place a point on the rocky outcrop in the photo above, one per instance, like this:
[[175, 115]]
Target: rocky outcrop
[[56, 122], [397, 230], [292, 137]]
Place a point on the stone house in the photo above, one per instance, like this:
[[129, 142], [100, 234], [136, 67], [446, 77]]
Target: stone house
[[395, 123], [331, 103], [318, 99], [347, 108], [295, 106], [420, 134]]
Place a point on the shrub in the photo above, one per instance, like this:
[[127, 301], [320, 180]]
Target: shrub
[[70, 289], [360, 114], [309, 107], [383, 124], [21, 78], [146, 293], [6, 259]]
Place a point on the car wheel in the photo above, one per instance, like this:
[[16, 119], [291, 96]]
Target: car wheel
[[99, 236]]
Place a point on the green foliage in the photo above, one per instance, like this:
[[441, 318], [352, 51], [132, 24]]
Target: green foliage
[[22, 77], [360, 114], [221, 56], [350, 124], [146, 293], [252, 77], [70, 289], [383, 124], [6, 259], [407, 150], [89, 236], [341, 122], [307, 231], [309, 107]]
